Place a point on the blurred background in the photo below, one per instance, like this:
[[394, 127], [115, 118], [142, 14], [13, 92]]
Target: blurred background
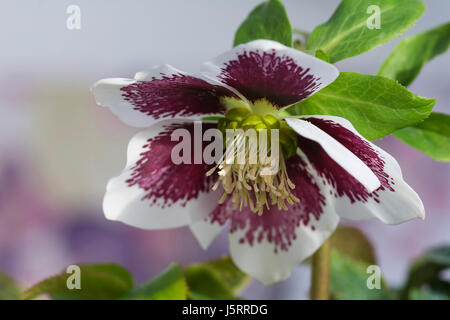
[[58, 149]]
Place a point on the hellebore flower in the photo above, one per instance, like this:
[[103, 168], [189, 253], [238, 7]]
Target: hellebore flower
[[327, 170]]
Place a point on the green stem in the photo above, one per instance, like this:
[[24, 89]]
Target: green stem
[[320, 275]]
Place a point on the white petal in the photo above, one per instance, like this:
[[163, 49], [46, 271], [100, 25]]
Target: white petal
[[345, 158], [165, 69], [268, 73], [262, 263], [190, 99], [393, 207], [205, 232], [126, 204]]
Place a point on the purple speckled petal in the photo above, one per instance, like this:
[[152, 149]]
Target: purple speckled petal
[[154, 193], [164, 92], [269, 246], [336, 151], [393, 202], [268, 69]]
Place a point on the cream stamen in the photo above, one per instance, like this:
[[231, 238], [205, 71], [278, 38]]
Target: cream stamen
[[247, 187]]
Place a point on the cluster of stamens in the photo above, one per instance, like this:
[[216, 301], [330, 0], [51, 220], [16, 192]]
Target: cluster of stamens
[[255, 184]]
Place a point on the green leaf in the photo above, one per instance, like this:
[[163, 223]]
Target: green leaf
[[352, 254], [268, 20], [217, 279], [427, 268], [418, 294], [168, 285], [375, 105], [235, 279], [204, 283], [353, 244], [322, 55], [9, 289], [98, 281], [349, 280], [406, 60], [432, 136], [346, 33], [440, 287]]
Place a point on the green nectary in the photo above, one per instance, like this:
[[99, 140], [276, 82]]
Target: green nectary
[[245, 119]]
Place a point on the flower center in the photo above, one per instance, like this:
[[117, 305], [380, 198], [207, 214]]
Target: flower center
[[252, 170]]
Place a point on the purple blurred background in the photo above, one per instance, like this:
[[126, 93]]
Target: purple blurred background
[[58, 149]]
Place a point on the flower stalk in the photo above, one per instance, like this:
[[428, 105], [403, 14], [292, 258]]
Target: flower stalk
[[320, 275]]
